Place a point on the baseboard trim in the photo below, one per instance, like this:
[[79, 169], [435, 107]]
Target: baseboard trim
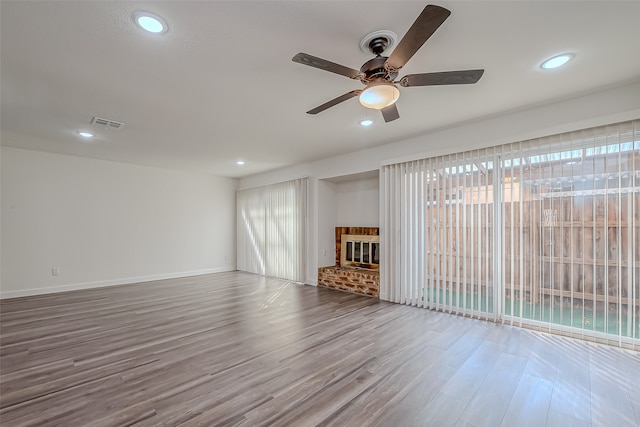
[[105, 283]]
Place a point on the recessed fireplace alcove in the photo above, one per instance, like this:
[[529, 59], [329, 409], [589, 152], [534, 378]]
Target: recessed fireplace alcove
[[357, 262]]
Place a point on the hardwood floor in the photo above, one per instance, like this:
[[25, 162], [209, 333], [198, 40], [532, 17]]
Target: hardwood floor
[[238, 349]]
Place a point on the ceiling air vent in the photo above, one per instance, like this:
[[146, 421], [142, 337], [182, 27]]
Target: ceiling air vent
[[106, 123]]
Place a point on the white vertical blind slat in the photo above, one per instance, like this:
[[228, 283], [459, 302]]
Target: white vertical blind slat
[[430, 177], [464, 237]]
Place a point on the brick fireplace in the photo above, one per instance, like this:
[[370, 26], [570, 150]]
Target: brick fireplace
[[357, 262]]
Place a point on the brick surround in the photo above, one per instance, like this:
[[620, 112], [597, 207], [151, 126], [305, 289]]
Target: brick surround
[[363, 282]]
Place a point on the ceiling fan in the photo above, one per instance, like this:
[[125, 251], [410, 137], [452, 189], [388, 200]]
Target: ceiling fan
[[379, 74]]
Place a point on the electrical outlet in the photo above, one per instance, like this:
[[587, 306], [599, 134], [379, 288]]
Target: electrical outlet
[[55, 271], [324, 252]]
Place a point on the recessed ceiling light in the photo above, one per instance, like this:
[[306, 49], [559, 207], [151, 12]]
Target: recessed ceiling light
[[150, 22], [557, 61], [85, 134], [366, 122], [240, 162]]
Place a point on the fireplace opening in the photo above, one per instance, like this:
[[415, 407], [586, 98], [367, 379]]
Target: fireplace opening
[[360, 251]]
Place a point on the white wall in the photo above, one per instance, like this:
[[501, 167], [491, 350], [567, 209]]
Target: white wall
[[354, 203], [104, 223], [358, 203], [327, 222], [595, 109]]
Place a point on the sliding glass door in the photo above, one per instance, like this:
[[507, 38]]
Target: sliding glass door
[[543, 233], [581, 233], [271, 229], [441, 241]]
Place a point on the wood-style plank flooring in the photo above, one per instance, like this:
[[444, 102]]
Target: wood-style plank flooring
[[235, 349]]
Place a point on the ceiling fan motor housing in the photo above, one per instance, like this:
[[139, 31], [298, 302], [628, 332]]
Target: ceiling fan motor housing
[[375, 70]]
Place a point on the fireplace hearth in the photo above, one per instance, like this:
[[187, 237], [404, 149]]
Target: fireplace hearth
[[357, 262]]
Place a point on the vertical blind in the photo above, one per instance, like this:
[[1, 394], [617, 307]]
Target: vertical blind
[[271, 229], [542, 233], [437, 238]]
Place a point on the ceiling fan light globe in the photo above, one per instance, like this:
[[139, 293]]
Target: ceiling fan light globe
[[379, 96]]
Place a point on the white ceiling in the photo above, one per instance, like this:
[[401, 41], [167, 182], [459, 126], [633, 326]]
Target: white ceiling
[[220, 84]]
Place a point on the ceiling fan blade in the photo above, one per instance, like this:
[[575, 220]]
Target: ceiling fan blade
[[462, 77], [390, 113], [323, 64], [424, 26], [335, 101]]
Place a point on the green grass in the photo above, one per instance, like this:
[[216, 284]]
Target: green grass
[[555, 311]]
